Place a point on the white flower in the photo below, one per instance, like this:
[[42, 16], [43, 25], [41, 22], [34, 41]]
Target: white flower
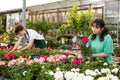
[[43, 67], [73, 69], [88, 78], [57, 69], [58, 75], [115, 70], [77, 69], [69, 75], [114, 65], [76, 74], [102, 78], [105, 64], [105, 70], [59, 79], [81, 74], [77, 78], [51, 73], [90, 72], [24, 73], [97, 72], [114, 78], [46, 72]]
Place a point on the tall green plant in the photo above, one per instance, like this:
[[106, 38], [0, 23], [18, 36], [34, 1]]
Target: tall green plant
[[40, 25], [79, 21]]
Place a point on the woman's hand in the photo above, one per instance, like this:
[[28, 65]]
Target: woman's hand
[[93, 55]]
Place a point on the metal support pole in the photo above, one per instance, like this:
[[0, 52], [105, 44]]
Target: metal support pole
[[24, 14], [24, 20], [118, 24]]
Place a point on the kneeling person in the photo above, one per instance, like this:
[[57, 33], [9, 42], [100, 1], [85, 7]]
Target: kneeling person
[[32, 36]]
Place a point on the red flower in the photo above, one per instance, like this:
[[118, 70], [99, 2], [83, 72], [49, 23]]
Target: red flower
[[77, 61], [9, 56], [85, 40]]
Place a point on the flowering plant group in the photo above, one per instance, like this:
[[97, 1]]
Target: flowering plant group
[[44, 67], [76, 74]]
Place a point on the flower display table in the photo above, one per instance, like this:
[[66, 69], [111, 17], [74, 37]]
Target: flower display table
[[51, 64]]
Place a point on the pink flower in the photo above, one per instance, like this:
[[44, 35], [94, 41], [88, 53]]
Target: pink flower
[[12, 62], [2, 63], [11, 47], [42, 59], [50, 58], [56, 61], [9, 56], [37, 49], [49, 48], [42, 56], [85, 40], [62, 57], [77, 61], [20, 60], [29, 62], [36, 60]]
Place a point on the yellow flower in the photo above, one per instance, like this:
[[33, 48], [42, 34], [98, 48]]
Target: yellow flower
[[4, 39]]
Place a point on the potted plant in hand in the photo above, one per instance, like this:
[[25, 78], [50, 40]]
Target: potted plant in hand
[[84, 50]]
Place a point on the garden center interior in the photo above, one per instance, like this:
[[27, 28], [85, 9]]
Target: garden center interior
[[55, 14]]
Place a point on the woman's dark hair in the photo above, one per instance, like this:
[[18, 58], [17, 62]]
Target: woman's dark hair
[[18, 29], [100, 23]]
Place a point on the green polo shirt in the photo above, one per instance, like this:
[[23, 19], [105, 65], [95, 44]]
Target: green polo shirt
[[99, 47]]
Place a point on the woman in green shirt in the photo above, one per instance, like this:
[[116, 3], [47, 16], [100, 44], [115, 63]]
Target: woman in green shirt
[[100, 41]]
